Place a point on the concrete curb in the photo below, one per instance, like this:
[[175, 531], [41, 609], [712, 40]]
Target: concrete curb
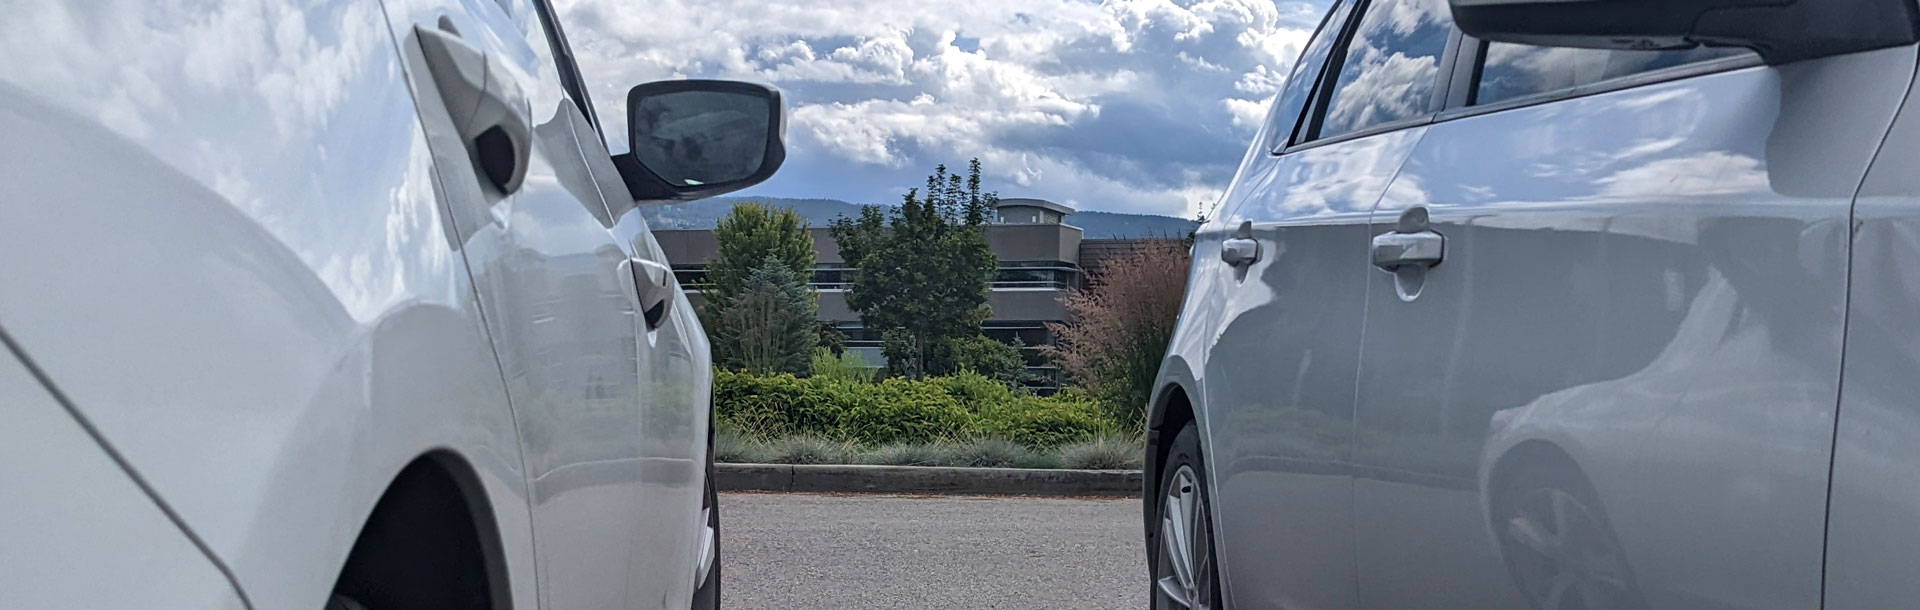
[[926, 480]]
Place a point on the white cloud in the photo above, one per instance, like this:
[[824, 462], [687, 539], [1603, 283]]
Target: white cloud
[[1703, 173], [1026, 85], [256, 54], [1247, 114]]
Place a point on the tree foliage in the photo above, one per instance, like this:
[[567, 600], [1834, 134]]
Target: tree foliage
[[1119, 326], [747, 236], [769, 326], [923, 270], [985, 356]]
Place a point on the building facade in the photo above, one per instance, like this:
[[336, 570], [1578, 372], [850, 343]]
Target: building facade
[[1041, 259]]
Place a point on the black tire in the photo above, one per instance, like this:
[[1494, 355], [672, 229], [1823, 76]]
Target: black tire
[[1184, 472], [1557, 543], [706, 595]]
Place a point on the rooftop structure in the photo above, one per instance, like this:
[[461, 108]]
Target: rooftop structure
[[1022, 211]]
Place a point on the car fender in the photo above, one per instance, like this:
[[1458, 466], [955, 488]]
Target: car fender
[[267, 396]]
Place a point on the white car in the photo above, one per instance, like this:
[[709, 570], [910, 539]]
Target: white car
[[346, 305]]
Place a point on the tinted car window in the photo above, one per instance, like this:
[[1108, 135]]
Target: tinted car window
[[1391, 66], [1293, 99], [1509, 70]]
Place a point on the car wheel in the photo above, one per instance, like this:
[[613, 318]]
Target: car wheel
[[1184, 573], [707, 594], [1557, 543]]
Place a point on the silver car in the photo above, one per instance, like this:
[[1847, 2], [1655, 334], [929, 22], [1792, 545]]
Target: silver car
[[344, 304], [1556, 309]]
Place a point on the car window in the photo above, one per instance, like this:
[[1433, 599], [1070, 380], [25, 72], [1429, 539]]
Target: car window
[[1305, 72], [1390, 67], [556, 39], [1509, 70]]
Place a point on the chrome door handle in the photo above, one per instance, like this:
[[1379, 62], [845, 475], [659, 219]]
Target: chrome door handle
[[1240, 250], [1392, 251]]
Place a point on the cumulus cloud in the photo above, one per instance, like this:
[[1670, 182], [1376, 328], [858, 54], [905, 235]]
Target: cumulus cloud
[[1122, 105]]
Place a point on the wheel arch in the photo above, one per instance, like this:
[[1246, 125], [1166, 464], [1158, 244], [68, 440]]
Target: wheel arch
[[1530, 452], [1173, 407], [412, 543]]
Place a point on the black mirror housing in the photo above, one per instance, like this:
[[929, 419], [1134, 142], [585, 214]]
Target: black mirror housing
[[692, 139], [1781, 31]]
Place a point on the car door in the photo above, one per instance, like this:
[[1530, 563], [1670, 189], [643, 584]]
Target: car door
[[1871, 549], [1279, 376], [676, 418], [1603, 331], [556, 288]]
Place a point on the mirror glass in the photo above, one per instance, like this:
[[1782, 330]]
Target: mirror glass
[[698, 138]]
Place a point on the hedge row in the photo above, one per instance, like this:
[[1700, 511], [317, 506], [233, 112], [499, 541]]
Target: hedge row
[[1102, 453], [900, 410]]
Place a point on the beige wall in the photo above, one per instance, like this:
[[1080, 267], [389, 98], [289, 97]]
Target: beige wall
[[1009, 242]]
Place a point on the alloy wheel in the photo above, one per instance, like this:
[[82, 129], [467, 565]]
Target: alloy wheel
[[1186, 553], [1562, 554]]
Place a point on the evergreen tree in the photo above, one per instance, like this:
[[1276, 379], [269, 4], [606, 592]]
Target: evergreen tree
[[769, 326]]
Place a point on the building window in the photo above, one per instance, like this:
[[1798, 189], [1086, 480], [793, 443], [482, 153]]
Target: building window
[[868, 345], [1042, 275], [692, 278], [827, 276]]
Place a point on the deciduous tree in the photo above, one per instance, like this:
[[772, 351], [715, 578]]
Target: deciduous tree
[[749, 234], [924, 270]]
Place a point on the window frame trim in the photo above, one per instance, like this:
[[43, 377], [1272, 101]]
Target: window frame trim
[[1409, 123], [1462, 80], [1307, 129], [1467, 108], [1280, 141], [572, 79]]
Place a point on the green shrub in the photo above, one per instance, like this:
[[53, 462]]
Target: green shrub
[[807, 449], [775, 405], [732, 446], [984, 356], [1104, 453], [909, 454], [975, 391], [1042, 422], [846, 367], [902, 410], [1037, 460], [899, 410], [988, 452]]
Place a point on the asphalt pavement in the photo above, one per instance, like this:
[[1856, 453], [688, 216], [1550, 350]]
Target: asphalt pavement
[[874, 552]]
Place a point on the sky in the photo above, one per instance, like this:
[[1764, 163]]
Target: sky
[[1138, 106]]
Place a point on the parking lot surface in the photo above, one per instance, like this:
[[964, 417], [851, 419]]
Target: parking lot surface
[[860, 552]]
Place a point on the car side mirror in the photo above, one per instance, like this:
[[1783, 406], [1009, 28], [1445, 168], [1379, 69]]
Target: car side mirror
[[1781, 31], [692, 139]]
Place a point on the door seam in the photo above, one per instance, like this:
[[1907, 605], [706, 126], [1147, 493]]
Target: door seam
[[1846, 328], [479, 308], [1360, 367]]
